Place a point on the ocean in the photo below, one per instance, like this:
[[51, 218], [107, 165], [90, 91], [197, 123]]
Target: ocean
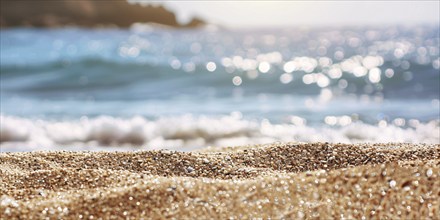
[[150, 87]]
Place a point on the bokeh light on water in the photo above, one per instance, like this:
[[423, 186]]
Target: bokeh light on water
[[311, 79]]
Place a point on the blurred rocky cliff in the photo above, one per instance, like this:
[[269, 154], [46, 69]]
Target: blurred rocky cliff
[[85, 13]]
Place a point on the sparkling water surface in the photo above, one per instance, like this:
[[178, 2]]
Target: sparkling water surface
[[186, 89]]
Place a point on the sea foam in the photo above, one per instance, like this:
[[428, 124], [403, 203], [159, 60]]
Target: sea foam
[[188, 132]]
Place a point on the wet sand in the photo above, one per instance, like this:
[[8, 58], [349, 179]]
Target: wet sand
[[291, 180]]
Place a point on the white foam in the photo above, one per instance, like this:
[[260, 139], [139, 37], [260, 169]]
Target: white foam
[[189, 132]]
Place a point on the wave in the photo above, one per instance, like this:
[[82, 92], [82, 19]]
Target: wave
[[107, 79], [189, 132]]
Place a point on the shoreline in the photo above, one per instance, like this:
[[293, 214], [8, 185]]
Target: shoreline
[[287, 180]]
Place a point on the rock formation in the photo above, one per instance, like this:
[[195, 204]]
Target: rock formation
[[84, 13]]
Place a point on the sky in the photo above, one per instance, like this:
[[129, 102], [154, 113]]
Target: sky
[[241, 14]]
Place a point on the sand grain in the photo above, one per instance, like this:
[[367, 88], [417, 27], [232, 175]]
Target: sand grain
[[289, 180]]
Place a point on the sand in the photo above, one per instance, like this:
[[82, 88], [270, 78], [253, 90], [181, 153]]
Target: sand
[[290, 180]]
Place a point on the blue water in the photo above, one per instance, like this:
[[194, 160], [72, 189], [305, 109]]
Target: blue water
[[322, 79]]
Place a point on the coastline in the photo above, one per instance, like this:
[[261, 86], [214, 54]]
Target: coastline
[[87, 13], [283, 180]]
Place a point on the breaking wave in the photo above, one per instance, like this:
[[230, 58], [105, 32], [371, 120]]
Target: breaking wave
[[188, 132]]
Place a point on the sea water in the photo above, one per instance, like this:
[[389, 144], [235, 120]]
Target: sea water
[[152, 88]]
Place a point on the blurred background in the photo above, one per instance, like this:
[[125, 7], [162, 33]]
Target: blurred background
[[183, 75]]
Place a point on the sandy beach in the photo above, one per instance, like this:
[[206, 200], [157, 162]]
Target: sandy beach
[[130, 109], [290, 180]]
